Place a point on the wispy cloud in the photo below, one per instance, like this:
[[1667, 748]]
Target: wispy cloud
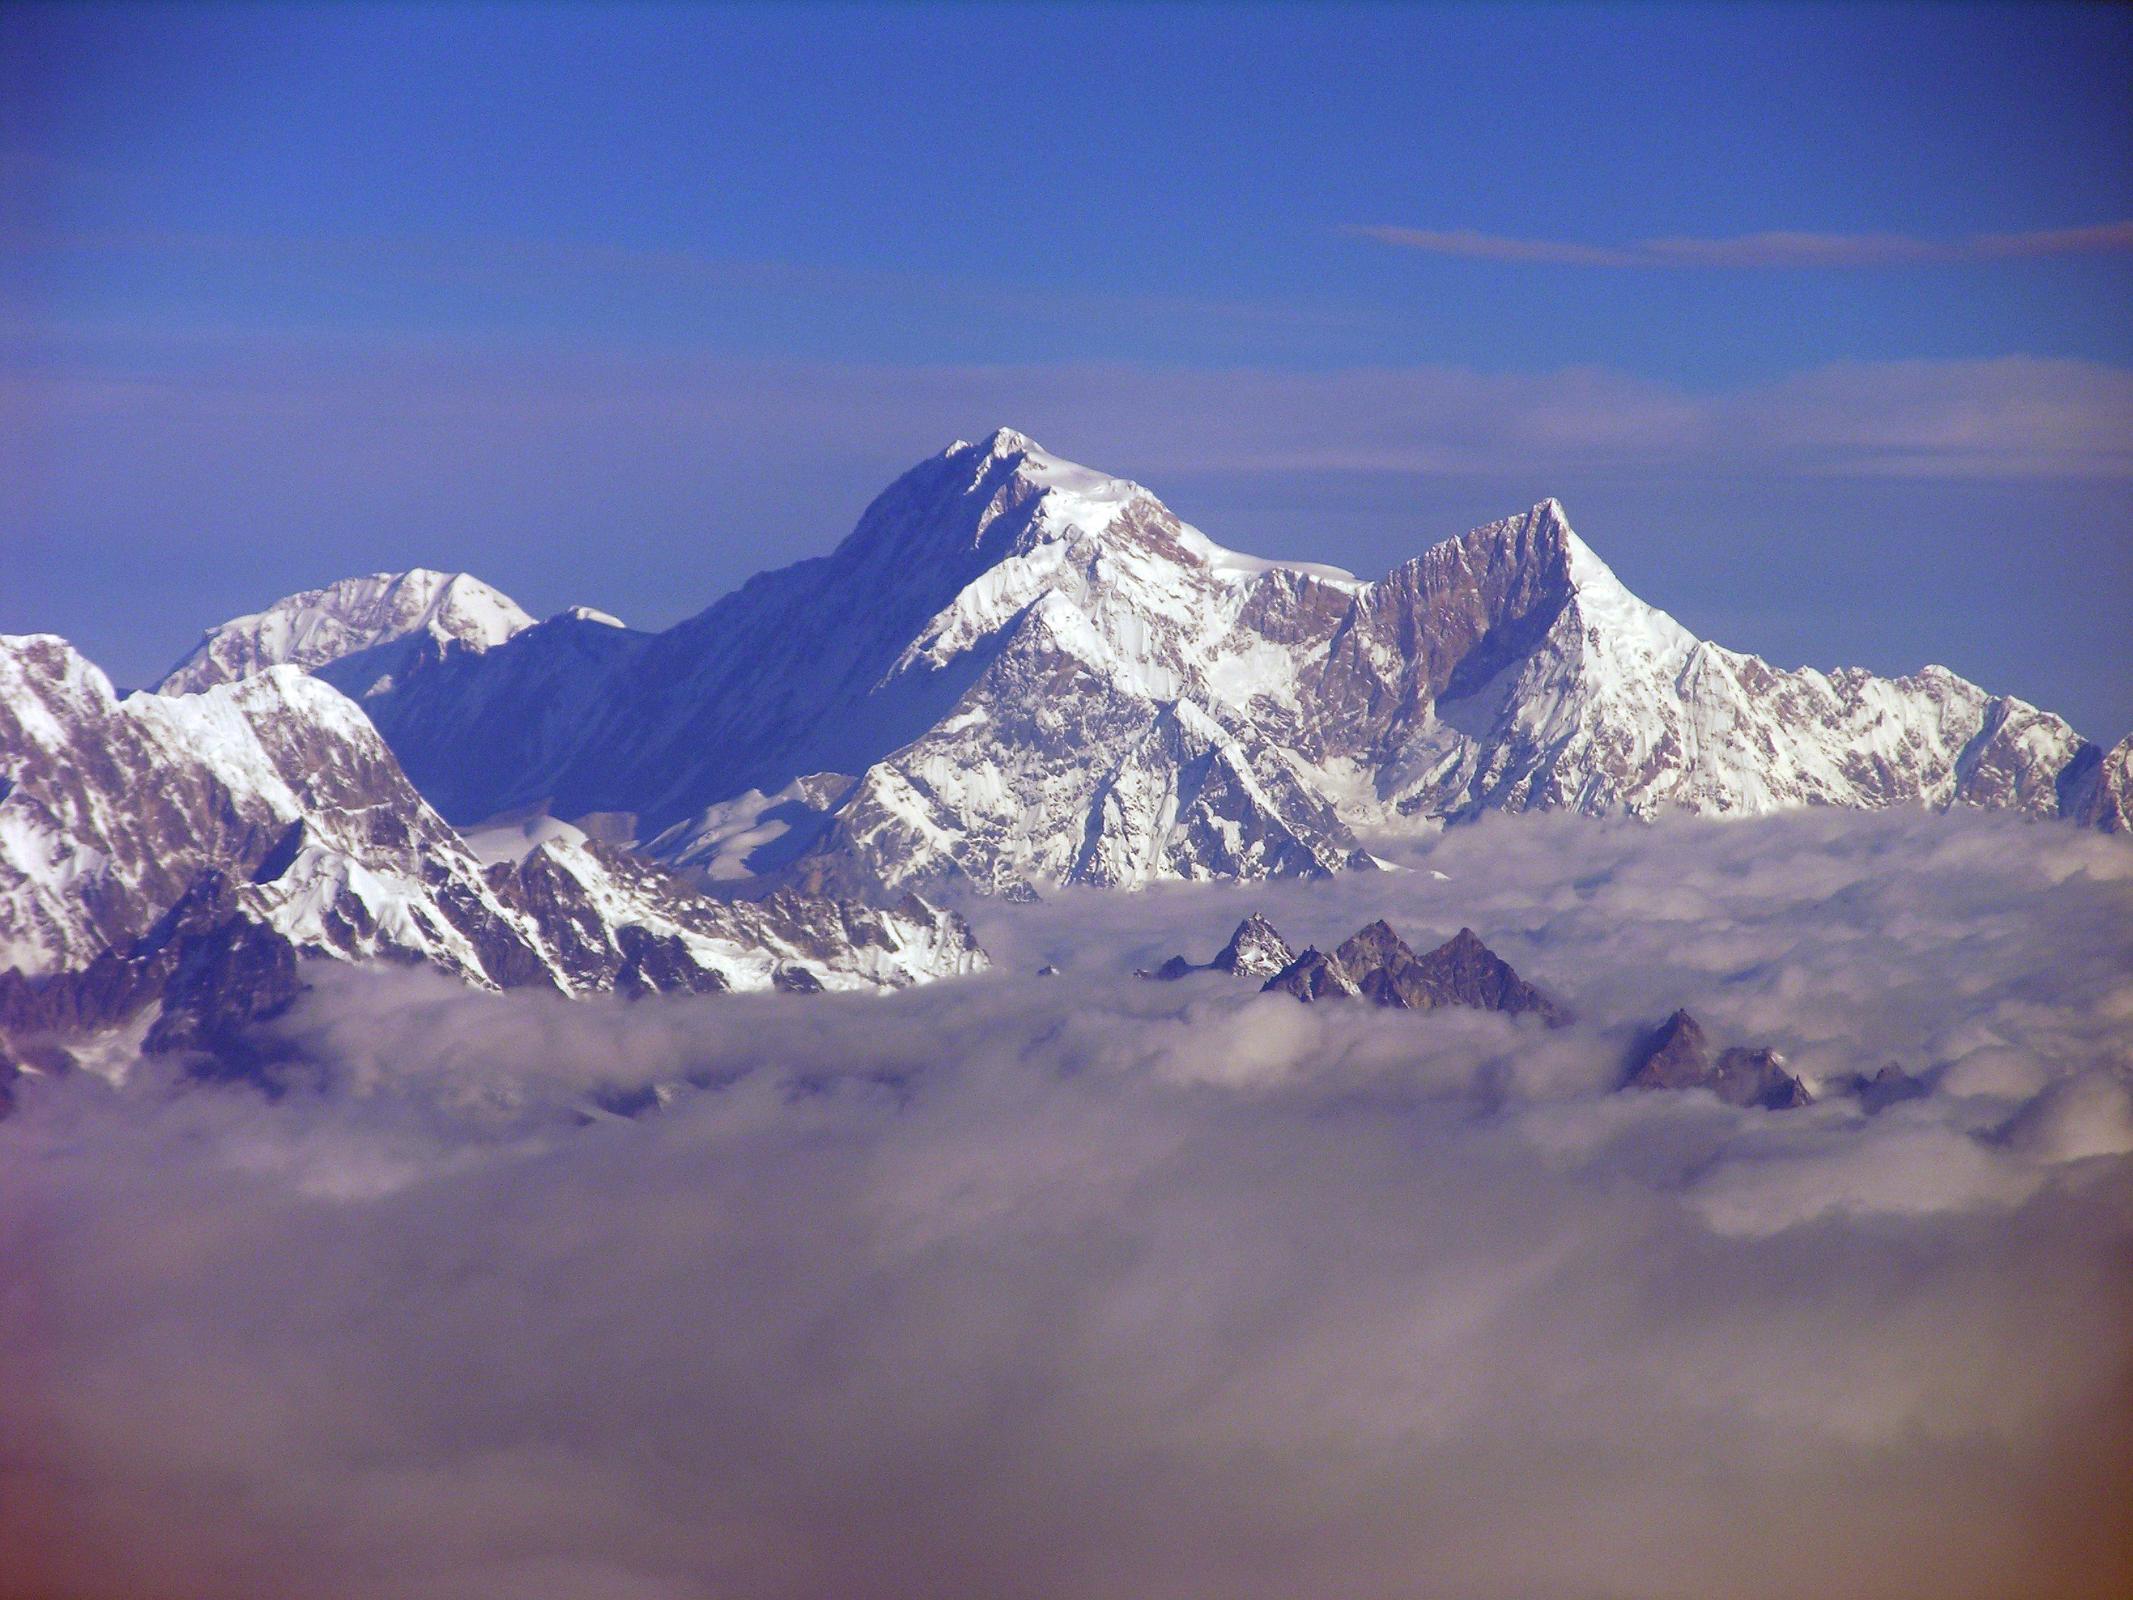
[[238, 395], [1773, 249]]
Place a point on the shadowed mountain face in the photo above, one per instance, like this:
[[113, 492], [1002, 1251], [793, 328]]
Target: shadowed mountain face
[[1017, 671], [1678, 1055]]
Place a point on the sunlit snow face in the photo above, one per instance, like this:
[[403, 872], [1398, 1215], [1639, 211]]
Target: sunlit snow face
[[1097, 1286]]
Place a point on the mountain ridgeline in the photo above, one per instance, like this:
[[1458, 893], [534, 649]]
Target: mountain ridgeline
[[1018, 672], [1015, 673]]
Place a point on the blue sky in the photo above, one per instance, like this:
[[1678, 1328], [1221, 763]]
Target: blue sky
[[1816, 319]]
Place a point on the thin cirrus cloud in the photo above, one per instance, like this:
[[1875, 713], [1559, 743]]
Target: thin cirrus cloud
[[1769, 249]]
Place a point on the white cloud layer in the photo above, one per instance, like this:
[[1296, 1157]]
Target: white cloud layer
[[1087, 1286]]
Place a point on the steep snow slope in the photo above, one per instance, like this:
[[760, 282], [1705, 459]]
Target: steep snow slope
[[355, 617]]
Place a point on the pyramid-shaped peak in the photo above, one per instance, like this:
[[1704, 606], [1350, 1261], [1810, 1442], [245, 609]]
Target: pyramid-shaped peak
[[1372, 946], [1256, 949], [1682, 1021], [986, 499], [1543, 527], [1547, 525]]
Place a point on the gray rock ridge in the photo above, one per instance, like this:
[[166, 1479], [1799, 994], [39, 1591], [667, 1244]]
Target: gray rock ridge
[[1678, 1055], [201, 976], [1314, 975]]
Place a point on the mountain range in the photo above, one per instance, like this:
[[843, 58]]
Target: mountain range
[[1018, 672], [1015, 673]]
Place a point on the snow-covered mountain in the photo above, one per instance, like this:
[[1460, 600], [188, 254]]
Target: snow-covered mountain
[[1020, 671], [1017, 672], [366, 627], [264, 820]]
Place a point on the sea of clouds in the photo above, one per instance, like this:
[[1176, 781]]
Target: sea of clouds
[[1089, 1286]]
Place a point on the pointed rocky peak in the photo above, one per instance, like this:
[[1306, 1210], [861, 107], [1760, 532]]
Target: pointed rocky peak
[[1491, 594], [1682, 1025], [1372, 948], [946, 519], [1674, 1055], [318, 627], [974, 506], [1255, 950], [1542, 536], [1465, 946], [1314, 975], [1677, 1055], [1376, 964], [1004, 442], [1465, 972], [1757, 1077], [1539, 537]]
